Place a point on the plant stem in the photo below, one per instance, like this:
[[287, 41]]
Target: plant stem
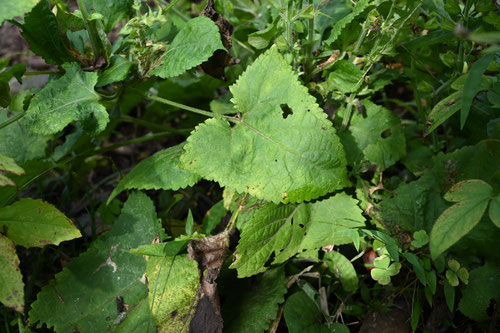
[[178, 105], [12, 120], [232, 221], [91, 28], [310, 43]]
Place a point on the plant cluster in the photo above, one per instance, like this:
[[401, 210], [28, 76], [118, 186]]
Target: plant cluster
[[303, 166]]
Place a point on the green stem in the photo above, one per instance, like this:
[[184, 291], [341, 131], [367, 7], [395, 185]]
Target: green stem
[[178, 105], [348, 112], [91, 28], [232, 221], [310, 43], [12, 120], [169, 5]]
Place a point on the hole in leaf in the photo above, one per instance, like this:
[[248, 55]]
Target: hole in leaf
[[286, 110], [302, 226], [387, 133]]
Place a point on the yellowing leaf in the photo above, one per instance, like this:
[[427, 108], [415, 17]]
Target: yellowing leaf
[[12, 286]]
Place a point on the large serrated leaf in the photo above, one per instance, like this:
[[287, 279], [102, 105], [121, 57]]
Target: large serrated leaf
[[194, 44], [472, 197], [12, 286], [281, 155], [30, 222], [378, 137], [11, 9], [86, 295], [253, 310], [159, 171], [69, 98], [173, 283], [287, 229], [41, 31]]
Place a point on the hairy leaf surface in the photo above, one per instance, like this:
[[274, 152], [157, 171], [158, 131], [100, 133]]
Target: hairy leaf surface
[[42, 32], [69, 303], [30, 222], [194, 44], [159, 171], [173, 282], [12, 286], [258, 306], [69, 98], [283, 148]]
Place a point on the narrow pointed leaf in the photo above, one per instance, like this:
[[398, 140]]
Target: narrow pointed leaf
[[283, 149], [30, 222], [69, 98], [12, 286], [194, 44]]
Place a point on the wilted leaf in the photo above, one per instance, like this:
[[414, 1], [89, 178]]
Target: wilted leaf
[[299, 164], [69, 98], [159, 171], [12, 286], [30, 222], [115, 274]]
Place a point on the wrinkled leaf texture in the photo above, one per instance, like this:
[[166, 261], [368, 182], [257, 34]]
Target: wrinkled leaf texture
[[272, 156]]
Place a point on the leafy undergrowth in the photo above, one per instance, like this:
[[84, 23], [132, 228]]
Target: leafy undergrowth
[[251, 166]]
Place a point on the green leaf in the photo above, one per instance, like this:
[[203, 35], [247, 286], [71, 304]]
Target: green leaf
[[455, 222], [415, 313], [472, 84], [170, 249], [111, 270], [343, 269], [8, 165], [378, 137], [383, 271], [116, 72], [12, 286], [417, 267], [332, 221], [287, 230], [11, 9], [69, 98], [483, 286], [420, 238], [213, 217], [344, 77], [173, 283], [443, 110], [41, 31], [17, 142], [463, 275], [494, 210], [452, 278], [194, 44], [189, 223], [159, 171], [282, 149], [340, 25], [449, 295], [112, 11], [269, 230], [454, 265], [16, 71], [261, 39], [30, 222], [258, 306], [303, 315]]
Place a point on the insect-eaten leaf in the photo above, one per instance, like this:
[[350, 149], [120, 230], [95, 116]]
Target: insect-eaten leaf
[[12, 286], [264, 153]]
